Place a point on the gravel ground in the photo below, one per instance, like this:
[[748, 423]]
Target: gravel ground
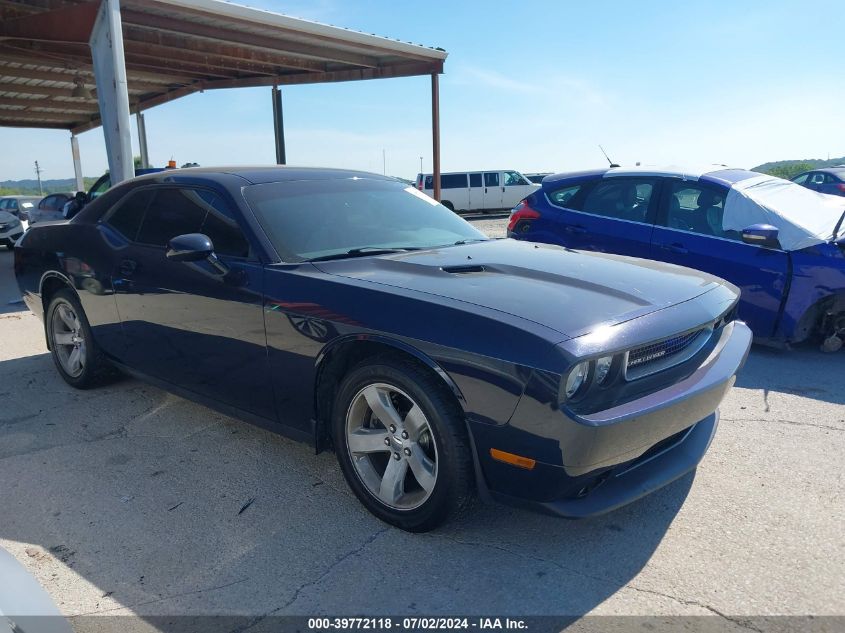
[[128, 500]]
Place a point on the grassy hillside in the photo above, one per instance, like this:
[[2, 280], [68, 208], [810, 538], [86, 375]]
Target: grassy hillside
[[29, 187], [791, 168]]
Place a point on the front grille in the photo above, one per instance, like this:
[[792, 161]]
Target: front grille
[[655, 357]]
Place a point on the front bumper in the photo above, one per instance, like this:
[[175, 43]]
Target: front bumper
[[590, 464], [633, 481], [11, 234]]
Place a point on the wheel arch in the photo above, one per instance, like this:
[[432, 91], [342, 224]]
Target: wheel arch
[[336, 358], [813, 316], [51, 282]]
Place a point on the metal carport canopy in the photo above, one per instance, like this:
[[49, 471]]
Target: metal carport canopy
[[173, 48]]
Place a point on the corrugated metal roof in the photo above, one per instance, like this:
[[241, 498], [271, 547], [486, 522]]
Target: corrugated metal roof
[[176, 47]]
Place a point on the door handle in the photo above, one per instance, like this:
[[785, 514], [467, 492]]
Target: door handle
[[127, 267], [485, 189], [503, 190], [570, 228], [674, 248]]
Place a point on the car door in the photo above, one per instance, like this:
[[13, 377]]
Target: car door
[[50, 208], [815, 181], [492, 198], [689, 232], [611, 215], [188, 323], [830, 185], [476, 192]]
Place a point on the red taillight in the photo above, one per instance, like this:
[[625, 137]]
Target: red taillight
[[521, 212], [841, 186]]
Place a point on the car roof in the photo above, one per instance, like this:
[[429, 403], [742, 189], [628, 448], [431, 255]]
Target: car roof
[[712, 173], [829, 170], [266, 173], [687, 172]]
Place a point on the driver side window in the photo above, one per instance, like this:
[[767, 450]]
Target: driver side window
[[697, 209], [177, 211], [512, 179]]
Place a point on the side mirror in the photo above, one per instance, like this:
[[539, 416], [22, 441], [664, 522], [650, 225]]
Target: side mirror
[[191, 247], [194, 247], [761, 235]]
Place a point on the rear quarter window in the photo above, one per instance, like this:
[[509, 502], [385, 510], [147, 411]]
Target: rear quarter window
[[565, 196], [127, 217]]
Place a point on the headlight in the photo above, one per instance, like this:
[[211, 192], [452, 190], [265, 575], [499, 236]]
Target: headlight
[[603, 368], [576, 378]]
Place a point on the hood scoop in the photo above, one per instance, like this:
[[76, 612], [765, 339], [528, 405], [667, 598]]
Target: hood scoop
[[464, 269]]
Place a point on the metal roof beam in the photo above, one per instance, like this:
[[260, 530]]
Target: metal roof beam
[[34, 117], [82, 65], [49, 104], [385, 72], [218, 49], [27, 73], [70, 23], [44, 91], [216, 34]]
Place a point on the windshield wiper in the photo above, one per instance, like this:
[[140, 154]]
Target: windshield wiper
[[364, 251], [473, 239]]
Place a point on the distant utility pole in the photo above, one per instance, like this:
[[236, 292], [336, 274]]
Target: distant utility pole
[[38, 174], [421, 164]]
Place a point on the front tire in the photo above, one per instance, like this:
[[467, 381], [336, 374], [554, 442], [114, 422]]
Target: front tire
[[72, 345], [402, 444]]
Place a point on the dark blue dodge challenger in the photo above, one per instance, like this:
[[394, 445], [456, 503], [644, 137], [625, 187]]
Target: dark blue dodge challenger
[[353, 312]]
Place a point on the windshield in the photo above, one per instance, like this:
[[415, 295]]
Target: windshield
[[803, 217], [309, 219]]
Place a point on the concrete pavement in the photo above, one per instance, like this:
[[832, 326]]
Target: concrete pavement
[[128, 500]]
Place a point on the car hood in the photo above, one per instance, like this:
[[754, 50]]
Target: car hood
[[572, 292]]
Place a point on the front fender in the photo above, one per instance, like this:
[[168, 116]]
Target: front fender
[[397, 344]]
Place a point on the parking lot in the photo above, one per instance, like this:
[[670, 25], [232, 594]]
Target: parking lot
[[128, 500]]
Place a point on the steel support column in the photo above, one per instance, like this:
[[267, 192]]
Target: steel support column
[[142, 140], [279, 126], [77, 163], [112, 91], [435, 133]]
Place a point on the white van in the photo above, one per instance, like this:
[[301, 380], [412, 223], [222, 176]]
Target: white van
[[479, 190]]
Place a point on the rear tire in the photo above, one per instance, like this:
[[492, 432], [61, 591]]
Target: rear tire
[[72, 345], [448, 205], [402, 444]]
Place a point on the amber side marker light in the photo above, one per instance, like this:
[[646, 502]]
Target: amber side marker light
[[513, 460]]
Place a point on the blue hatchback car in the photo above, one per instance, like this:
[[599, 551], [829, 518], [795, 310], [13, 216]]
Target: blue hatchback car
[[781, 243]]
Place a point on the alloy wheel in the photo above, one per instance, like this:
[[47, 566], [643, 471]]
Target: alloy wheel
[[391, 446], [68, 340]]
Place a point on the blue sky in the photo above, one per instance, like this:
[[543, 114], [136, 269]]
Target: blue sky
[[534, 86]]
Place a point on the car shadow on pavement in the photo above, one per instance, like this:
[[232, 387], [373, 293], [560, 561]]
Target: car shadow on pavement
[[803, 371], [10, 294], [128, 500]]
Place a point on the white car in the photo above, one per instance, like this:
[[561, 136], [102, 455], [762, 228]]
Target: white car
[[10, 229], [19, 206], [479, 190]]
